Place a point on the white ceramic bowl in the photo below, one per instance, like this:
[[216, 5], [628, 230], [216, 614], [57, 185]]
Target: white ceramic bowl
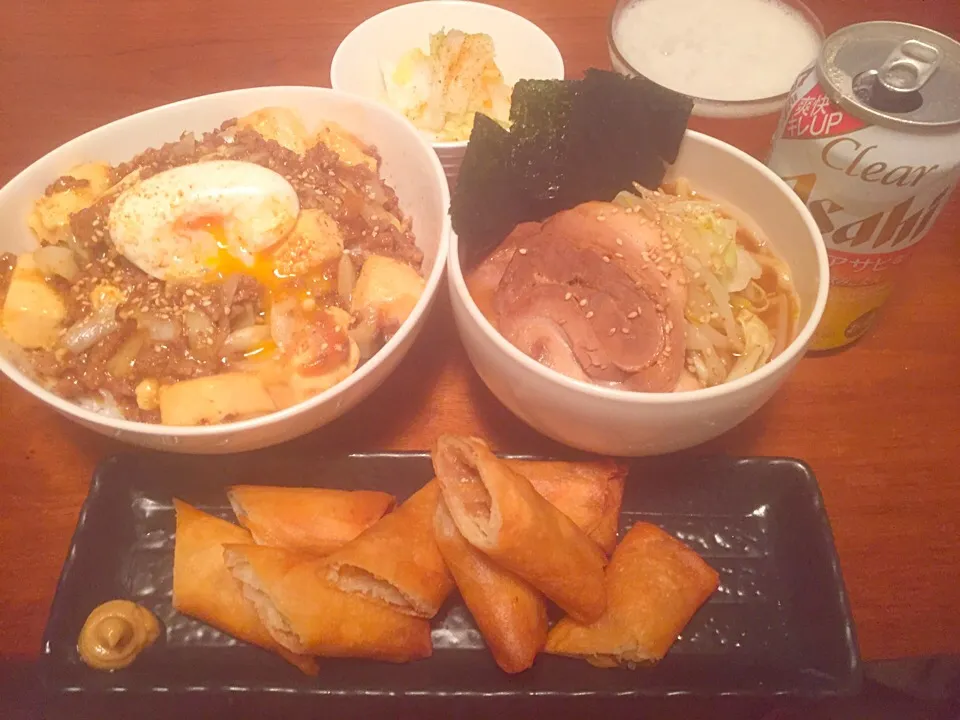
[[409, 165], [618, 422], [523, 50]]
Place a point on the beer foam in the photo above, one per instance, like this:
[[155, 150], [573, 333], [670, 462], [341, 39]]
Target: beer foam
[[717, 50]]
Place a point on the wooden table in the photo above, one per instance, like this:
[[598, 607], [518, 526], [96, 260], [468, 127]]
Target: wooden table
[[879, 423]]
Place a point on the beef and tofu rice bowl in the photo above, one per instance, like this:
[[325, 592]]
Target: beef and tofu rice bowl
[[645, 286], [215, 278]]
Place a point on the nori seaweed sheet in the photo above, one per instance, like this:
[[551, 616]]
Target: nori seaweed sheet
[[540, 115], [484, 208], [570, 141]]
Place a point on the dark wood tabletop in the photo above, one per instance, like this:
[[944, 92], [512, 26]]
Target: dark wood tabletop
[[879, 423]]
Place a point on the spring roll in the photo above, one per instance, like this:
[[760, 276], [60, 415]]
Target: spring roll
[[203, 587], [655, 584], [397, 562], [500, 513], [317, 520], [511, 615], [306, 614], [589, 493]]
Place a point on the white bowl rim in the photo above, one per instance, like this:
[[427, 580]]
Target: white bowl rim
[[632, 397], [338, 57], [413, 320]]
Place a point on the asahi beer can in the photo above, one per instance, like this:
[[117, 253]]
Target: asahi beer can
[[870, 141]]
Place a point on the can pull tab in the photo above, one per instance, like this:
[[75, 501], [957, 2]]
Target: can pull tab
[[909, 67]]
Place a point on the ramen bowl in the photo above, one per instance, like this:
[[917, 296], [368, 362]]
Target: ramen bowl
[[522, 49], [620, 422], [409, 165]]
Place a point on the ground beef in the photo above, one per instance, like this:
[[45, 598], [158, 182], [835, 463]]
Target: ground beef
[[67, 182]]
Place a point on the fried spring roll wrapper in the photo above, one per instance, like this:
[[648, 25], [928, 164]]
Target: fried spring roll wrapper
[[306, 614], [204, 588], [315, 519], [655, 584], [500, 513], [511, 615], [589, 493], [396, 562]]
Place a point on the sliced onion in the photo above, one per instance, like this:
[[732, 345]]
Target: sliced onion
[[86, 333], [346, 278], [715, 337], [704, 337], [244, 318], [230, 286], [122, 361], [283, 322], [366, 335], [197, 324], [695, 339], [245, 339], [159, 329], [106, 405]]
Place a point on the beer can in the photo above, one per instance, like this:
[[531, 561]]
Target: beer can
[[870, 140]]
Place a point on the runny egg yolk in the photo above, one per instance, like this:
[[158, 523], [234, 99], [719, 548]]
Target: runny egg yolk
[[259, 266], [262, 268]]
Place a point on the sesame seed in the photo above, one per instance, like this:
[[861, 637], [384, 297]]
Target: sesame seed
[[606, 259], [522, 251], [625, 330], [619, 242], [601, 218], [632, 315], [583, 303], [618, 255], [613, 331], [567, 296], [589, 314]]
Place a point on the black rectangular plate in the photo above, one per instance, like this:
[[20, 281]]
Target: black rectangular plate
[[780, 624]]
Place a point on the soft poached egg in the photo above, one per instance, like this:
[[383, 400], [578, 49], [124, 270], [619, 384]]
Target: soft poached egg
[[200, 220]]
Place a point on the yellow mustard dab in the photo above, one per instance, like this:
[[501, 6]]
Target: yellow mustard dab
[[115, 633]]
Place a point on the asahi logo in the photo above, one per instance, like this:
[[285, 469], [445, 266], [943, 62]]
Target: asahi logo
[[901, 226]]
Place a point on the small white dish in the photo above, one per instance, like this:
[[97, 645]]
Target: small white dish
[[624, 423], [409, 166], [523, 50]]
